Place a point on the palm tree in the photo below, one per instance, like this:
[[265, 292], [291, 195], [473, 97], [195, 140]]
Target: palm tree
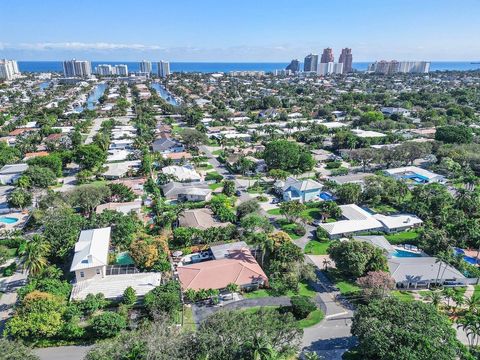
[[34, 257], [448, 294], [326, 263], [261, 349], [435, 298]]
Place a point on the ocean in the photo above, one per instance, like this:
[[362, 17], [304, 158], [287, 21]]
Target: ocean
[[208, 67]]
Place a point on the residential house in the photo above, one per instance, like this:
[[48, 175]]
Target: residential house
[[93, 275], [167, 145], [10, 173], [195, 191], [201, 219], [123, 207], [234, 265], [121, 169], [301, 190], [415, 175], [357, 220], [184, 173]]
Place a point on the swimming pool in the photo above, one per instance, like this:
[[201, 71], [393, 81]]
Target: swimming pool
[[419, 179], [402, 253], [326, 196], [124, 258], [8, 220], [466, 258]]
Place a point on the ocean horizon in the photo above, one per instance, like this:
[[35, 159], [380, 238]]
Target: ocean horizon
[[210, 67]]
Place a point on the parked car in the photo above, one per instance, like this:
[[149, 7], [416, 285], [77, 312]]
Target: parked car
[[275, 201], [238, 193], [316, 222]]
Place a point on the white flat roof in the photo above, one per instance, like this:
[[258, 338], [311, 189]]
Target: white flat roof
[[113, 286]]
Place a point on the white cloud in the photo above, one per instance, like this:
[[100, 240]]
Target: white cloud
[[43, 46]]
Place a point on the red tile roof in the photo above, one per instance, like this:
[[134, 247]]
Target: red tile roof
[[240, 268]]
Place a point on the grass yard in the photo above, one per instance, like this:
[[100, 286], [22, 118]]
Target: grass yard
[[303, 289], [402, 295], [312, 319], [217, 152], [402, 237], [188, 322], [315, 247], [204, 166], [312, 213], [384, 209], [289, 229], [345, 286], [215, 186], [274, 211], [476, 292]]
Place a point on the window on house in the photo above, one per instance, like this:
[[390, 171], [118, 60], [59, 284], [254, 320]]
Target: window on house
[[98, 271], [82, 274]]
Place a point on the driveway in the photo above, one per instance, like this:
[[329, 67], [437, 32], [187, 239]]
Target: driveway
[[9, 287], [331, 337], [63, 353]]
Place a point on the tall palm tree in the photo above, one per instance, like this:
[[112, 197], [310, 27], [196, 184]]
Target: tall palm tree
[[34, 257]]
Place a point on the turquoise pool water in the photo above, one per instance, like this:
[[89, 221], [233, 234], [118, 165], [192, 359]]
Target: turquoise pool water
[[124, 258], [402, 253], [8, 220]]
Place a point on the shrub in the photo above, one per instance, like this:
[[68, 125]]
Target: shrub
[[299, 230], [93, 303], [333, 165], [10, 269], [213, 176], [108, 324], [302, 306], [129, 296]]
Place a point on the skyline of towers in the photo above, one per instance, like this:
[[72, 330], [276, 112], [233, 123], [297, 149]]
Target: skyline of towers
[[163, 68], [294, 66], [146, 67], [346, 58], [77, 68], [8, 69], [327, 56], [310, 63]]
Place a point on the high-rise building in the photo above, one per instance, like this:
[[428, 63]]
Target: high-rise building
[[163, 68], [327, 56], [330, 68], [8, 69], [346, 59], [311, 63], [392, 67], [77, 68], [121, 70], [294, 66], [104, 69], [146, 67]]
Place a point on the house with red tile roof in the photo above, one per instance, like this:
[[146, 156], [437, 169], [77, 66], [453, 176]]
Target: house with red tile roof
[[238, 267]]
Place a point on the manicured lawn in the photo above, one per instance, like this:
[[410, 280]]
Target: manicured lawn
[[188, 322], [274, 211], [215, 186], [289, 228], [255, 309], [303, 289], [204, 167], [217, 152], [312, 213], [345, 286], [315, 247], [402, 295], [476, 292], [312, 319], [384, 209], [402, 237]]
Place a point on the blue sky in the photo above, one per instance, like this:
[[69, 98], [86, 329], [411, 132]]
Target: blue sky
[[239, 30]]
